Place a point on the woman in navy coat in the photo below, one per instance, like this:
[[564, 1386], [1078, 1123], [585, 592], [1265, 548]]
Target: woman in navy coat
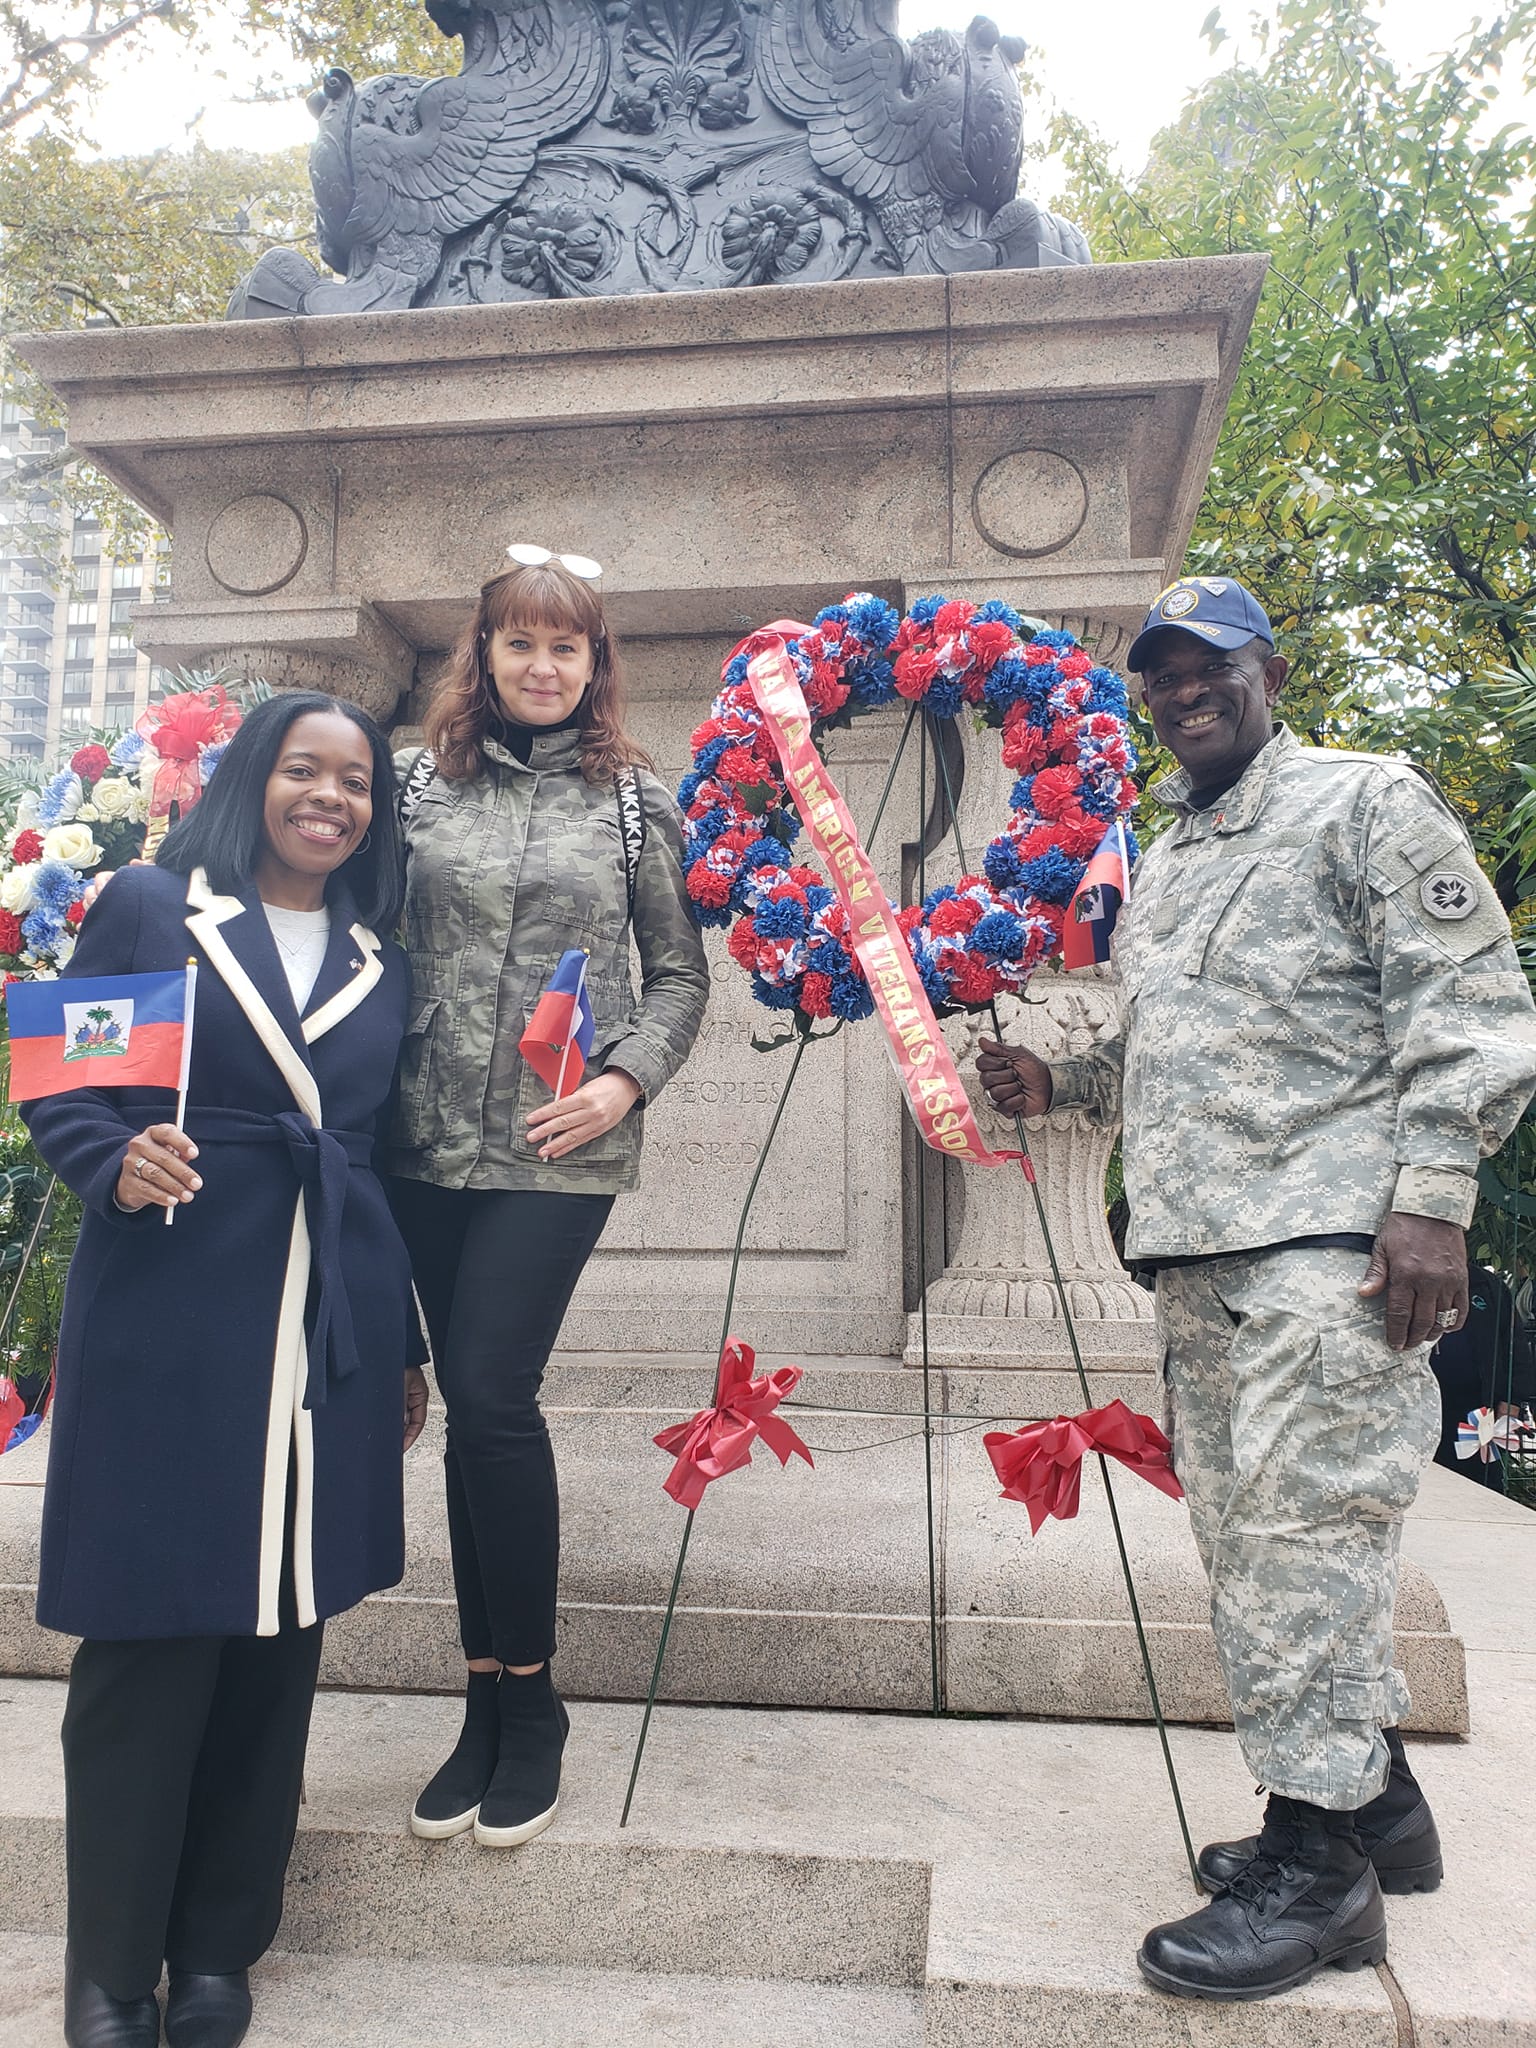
[[225, 1465]]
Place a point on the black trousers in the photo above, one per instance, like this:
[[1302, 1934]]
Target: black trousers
[[183, 1768], [495, 1270]]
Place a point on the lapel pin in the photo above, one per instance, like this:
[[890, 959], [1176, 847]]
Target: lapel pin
[[356, 966]]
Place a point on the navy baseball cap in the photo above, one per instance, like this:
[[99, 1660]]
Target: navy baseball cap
[[1216, 609]]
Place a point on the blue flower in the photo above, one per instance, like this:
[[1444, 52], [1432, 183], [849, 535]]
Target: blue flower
[[60, 800], [850, 997], [735, 670], [937, 896], [934, 982], [871, 683], [42, 930], [1052, 876], [707, 759], [818, 898], [57, 886], [129, 750], [784, 919], [712, 919], [944, 697], [1009, 681], [762, 853], [995, 612], [926, 610], [688, 789], [1062, 643], [210, 758], [1021, 796], [1001, 864], [774, 998], [872, 619], [701, 833], [999, 935]]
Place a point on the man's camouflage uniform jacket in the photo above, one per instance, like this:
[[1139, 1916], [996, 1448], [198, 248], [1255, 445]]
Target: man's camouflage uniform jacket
[[1324, 1014], [504, 874]]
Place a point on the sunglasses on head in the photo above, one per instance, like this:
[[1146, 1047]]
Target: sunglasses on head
[[528, 556]]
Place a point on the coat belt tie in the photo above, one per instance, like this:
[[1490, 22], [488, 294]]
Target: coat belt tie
[[323, 1161]]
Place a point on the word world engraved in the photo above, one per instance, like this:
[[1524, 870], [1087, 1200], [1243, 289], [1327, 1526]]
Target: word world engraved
[[587, 150]]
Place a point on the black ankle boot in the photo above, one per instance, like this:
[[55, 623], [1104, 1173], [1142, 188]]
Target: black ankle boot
[[93, 2018], [524, 1795], [448, 1805], [1307, 1899], [1396, 1829], [203, 2011]]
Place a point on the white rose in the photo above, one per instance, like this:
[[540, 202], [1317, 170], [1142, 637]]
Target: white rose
[[115, 798], [71, 844], [18, 890], [87, 814]]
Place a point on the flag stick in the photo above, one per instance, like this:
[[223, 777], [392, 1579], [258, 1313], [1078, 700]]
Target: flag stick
[[1082, 1375], [725, 1326], [565, 1050], [186, 1065]]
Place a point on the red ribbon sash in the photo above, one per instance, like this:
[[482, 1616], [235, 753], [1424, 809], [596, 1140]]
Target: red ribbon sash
[[1042, 1465], [922, 1060], [719, 1439]]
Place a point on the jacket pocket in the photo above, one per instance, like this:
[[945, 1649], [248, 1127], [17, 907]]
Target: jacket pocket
[[584, 876], [1264, 930], [421, 1103], [615, 1150]]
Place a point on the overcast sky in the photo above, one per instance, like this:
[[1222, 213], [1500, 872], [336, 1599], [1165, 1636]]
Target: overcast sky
[[1124, 64]]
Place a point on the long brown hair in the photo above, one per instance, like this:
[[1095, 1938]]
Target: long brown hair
[[464, 704]]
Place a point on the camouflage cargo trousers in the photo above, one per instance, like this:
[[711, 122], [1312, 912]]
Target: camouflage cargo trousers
[[1300, 1437]]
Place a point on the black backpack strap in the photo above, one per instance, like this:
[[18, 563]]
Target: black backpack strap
[[632, 828], [417, 783]]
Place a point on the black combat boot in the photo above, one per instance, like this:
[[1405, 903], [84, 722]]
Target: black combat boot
[[1396, 1829], [93, 2018], [449, 1803], [1308, 1898]]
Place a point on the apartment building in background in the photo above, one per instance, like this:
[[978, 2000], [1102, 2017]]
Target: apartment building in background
[[67, 659]]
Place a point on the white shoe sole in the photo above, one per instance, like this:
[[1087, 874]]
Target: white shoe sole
[[443, 1830], [512, 1838]]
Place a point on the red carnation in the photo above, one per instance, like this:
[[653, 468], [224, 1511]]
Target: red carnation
[[75, 914], [742, 943], [1081, 838], [973, 981], [1053, 916], [10, 933], [834, 921], [990, 641], [1061, 740], [738, 764], [28, 847], [804, 877], [915, 670], [1023, 746], [1103, 725], [1075, 664], [1053, 790], [952, 617], [91, 762], [816, 994], [708, 888], [954, 917], [1038, 656], [711, 729], [788, 892], [910, 918]]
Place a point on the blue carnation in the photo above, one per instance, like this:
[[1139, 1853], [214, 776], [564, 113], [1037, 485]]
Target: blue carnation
[[712, 919], [762, 853], [871, 684], [1052, 875], [688, 789], [773, 998], [1022, 795], [1061, 643], [60, 800], [57, 886], [999, 935], [934, 983], [702, 832], [831, 615], [783, 919], [210, 759], [937, 896], [926, 610], [129, 750], [1099, 803], [995, 612], [818, 897], [828, 956], [707, 759], [943, 697], [42, 930], [850, 997], [1008, 683], [1001, 864], [875, 622], [735, 670]]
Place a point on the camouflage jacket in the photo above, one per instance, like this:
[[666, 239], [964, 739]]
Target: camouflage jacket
[[504, 874], [1323, 1014]]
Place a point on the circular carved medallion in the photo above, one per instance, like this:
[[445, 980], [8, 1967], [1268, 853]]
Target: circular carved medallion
[[1029, 502], [256, 545]]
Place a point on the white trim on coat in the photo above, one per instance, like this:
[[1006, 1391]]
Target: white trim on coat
[[370, 970]]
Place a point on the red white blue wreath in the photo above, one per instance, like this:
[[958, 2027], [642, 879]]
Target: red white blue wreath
[[1063, 726]]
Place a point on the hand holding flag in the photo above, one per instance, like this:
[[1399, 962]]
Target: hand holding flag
[[559, 1034]]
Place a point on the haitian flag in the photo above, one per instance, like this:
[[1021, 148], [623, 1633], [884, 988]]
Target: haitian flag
[[559, 1033], [1096, 902], [103, 1031]]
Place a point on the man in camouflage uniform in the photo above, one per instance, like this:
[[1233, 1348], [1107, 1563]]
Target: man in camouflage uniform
[[1325, 1029]]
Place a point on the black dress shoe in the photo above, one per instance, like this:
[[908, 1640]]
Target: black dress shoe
[[1308, 1899], [93, 2018], [1396, 1829], [207, 2011]]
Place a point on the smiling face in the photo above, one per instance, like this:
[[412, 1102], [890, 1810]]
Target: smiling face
[[318, 805], [539, 673], [1211, 707]]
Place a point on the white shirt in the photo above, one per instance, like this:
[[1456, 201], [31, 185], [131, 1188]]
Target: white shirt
[[302, 937]]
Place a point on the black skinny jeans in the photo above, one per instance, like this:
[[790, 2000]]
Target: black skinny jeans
[[495, 1270]]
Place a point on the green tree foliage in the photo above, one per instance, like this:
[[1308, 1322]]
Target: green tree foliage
[[1374, 481], [363, 36]]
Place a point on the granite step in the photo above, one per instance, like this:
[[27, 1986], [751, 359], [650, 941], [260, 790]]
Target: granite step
[[998, 1874], [310, 2001], [808, 1588]]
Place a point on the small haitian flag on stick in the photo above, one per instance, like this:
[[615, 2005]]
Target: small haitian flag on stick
[[1096, 902], [105, 1031], [559, 1033]]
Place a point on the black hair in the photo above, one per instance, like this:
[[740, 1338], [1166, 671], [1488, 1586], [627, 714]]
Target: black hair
[[224, 832]]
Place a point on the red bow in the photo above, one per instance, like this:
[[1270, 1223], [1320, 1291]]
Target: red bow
[[765, 636], [178, 728], [1042, 1464], [719, 1439]]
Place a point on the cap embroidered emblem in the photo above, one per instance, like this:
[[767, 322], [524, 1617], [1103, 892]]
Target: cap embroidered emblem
[[1447, 894], [1179, 603]]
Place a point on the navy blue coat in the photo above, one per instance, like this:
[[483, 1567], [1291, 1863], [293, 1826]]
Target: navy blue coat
[[267, 1329]]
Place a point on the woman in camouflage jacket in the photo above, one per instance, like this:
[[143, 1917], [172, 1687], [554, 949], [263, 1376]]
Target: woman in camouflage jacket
[[540, 831]]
